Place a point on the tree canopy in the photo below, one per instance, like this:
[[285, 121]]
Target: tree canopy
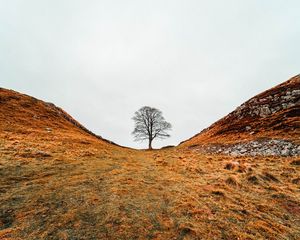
[[149, 125]]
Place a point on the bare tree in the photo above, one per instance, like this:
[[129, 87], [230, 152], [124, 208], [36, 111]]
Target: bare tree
[[150, 124]]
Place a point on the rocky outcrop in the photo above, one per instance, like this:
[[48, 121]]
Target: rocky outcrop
[[273, 115], [254, 114], [261, 147], [266, 106]]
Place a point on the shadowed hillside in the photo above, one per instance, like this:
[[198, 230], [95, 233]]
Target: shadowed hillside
[[60, 181]]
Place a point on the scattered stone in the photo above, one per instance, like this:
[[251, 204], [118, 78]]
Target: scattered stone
[[265, 147], [248, 128], [266, 106], [265, 111]]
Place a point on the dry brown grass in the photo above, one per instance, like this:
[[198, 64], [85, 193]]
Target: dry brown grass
[[113, 193], [66, 184]]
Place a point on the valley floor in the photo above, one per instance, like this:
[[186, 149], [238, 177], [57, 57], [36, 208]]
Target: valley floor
[[83, 190]]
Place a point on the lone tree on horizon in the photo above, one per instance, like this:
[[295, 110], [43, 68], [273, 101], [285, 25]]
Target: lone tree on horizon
[[150, 124]]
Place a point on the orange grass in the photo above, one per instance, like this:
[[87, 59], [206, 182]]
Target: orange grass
[[115, 193], [67, 184]]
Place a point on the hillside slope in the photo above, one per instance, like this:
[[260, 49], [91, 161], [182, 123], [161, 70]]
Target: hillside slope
[[26, 114], [34, 128], [57, 181], [271, 118]]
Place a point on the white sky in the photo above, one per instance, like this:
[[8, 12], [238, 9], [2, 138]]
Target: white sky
[[103, 60]]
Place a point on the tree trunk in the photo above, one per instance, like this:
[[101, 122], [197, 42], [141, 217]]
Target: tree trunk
[[150, 144]]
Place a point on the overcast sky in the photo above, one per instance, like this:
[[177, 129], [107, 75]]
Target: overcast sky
[[101, 60]]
